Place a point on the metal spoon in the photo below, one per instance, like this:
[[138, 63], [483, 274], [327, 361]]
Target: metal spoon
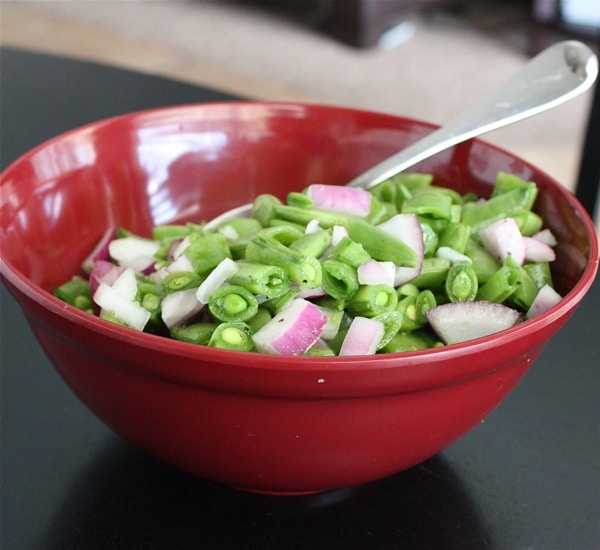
[[557, 74]]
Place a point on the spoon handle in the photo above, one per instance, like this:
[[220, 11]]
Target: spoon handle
[[554, 76]]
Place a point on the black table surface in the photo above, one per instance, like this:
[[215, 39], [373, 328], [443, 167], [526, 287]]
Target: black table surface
[[526, 478]]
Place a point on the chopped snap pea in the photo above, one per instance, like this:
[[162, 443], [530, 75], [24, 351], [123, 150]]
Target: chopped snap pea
[[256, 267]]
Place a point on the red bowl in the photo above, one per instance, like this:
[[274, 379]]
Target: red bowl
[[259, 422]]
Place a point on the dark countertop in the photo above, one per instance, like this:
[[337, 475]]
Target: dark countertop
[[526, 478]]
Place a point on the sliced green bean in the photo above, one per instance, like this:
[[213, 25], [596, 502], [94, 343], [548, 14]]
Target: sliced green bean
[[196, 333], [76, 292], [461, 282], [265, 280], [205, 252], [372, 300], [429, 203], [304, 270], [232, 336], [484, 264], [340, 280], [312, 244], [263, 208], [350, 252], [232, 303], [433, 273], [540, 273], [180, 280], [500, 286], [455, 235]]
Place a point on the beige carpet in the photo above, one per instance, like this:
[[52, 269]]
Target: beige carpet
[[443, 65]]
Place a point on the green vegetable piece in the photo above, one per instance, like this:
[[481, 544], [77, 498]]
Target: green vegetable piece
[[262, 317], [525, 293], [304, 270], [392, 321], [275, 305], [170, 232], [302, 216], [429, 203], [276, 222], [233, 335], [372, 300], [300, 200], [424, 302], [265, 280], [430, 240], [263, 208], [239, 228], [379, 244], [407, 289], [529, 223], [433, 273], [506, 182], [196, 333], [385, 191], [411, 320], [484, 264], [76, 292], [350, 252], [540, 273], [455, 235], [286, 234], [412, 181], [500, 286], [340, 280], [180, 280], [379, 211], [232, 303], [500, 206], [403, 342], [312, 244], [206, 251], [319, 349], [461, 282]]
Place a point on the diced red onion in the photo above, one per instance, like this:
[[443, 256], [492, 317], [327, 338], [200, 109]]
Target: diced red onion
[[104, 272], [126, 284], [312, 227], [179, 307], [373, 272], [338, 232], [546, 236], [334, 320], [546, 298], [132, 314], [100, 251], [181, 264], [217, 277], [229, 232], [461, 321], [363, 337], [538, 251], [407, 228], [293, 330], [180, 248], [502, 238], [135, 252], [337, 198]]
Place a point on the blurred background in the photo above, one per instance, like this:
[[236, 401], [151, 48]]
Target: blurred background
[[426, 59]]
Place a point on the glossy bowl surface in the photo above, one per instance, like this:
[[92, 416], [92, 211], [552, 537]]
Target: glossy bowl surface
[[253, 421]]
